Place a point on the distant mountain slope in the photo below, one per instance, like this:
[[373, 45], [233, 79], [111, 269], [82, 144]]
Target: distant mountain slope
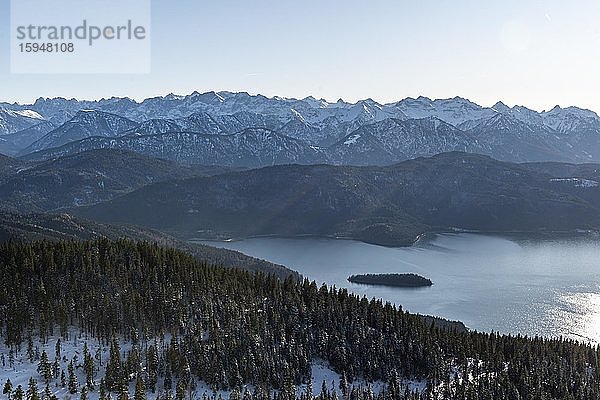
[[86, 123], [453, 111], [384, 205], [12, 121], [12, 144], [250, 148], [510, 139], [84, 178], [393, 140]]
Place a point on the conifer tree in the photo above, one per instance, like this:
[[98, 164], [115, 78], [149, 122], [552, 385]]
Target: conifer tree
[[124, 393], [57, 348], [180, 390], [152, 367], [63, 379], [44, 368], [32, 390], [132, 363], [140, 389], [114, 376], [73, 385], [55, 369], [235, 394], [8, 388], [19, 394], [344, 385], [168, 380], [88, 367], [324, 391], [47, 392], [102, 394], [30, 350]]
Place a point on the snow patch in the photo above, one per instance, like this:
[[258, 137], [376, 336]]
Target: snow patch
[[322, 372], [352, 140], [577, 182], [29, 114]]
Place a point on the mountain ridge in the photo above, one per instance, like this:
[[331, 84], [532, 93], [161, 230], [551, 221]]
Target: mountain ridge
[[84, 178], [516, 133]]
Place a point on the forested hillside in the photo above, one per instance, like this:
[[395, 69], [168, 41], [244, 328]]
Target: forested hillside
[[389, 206], [31, 227], [172, 323]]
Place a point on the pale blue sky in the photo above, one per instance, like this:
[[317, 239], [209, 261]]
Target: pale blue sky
[[533, 53]]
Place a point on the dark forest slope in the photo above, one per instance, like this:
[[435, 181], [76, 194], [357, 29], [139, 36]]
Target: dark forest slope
[[384, 205], [231, 327]]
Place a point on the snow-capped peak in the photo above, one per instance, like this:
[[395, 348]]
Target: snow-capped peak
[[501, 107]]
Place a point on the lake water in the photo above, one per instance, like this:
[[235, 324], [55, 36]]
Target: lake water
[[533, 287]]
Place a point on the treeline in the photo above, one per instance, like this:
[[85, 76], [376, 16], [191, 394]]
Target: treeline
[[229, 327]]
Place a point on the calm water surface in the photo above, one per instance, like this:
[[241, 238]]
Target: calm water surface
[[533, 287]]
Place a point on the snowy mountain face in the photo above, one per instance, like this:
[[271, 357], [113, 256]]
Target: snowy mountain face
[[12, 121], [382, 132], [453, 111], [508, 138], [154, 126], [568, 119], [393, 140], [253, 147], [85, 123]]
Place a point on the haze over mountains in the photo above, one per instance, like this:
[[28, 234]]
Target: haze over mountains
[[237, 129]]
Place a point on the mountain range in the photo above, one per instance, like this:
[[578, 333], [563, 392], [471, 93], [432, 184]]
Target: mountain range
[[242, 130]]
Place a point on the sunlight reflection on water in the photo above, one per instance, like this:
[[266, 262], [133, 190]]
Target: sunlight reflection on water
[[579, 314]]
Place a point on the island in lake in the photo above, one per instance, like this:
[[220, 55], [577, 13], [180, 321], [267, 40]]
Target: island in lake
[[395, 280]]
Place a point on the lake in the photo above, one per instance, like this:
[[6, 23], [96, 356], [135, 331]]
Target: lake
[[547, 287]]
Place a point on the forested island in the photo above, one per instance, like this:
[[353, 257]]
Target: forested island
[[394, 280]]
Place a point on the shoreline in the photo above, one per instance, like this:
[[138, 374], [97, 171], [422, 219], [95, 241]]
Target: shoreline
[[420, 238], [439, 321], [393, 280]]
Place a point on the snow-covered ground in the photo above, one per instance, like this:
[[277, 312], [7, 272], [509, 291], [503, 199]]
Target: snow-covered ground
[[22, 369], [321, 372]]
